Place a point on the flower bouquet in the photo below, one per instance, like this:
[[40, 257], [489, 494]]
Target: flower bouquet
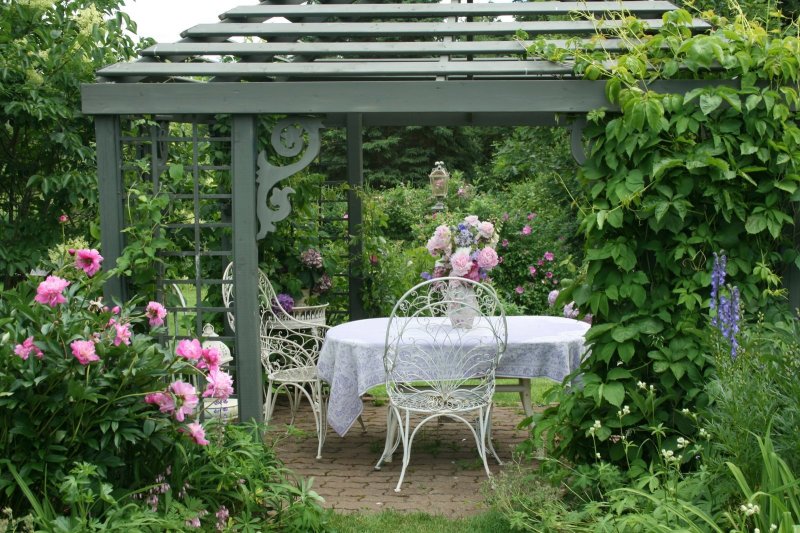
[[465, 250]]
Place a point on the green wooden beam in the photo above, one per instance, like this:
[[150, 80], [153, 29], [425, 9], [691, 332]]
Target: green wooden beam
[[452, 96], [428, 29], [109, 177], [355, 178], [387, 49], [448, 10], [245, 276]]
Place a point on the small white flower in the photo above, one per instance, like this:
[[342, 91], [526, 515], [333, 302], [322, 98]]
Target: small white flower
[[756, 530], [682, 443], [773, 527], [685, 411], [597, 455], [705, 434], [626, 410], [642, 385], [597, 424], [652, 388]]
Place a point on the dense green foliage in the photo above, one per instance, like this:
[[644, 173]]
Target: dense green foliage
[[672, 179], [47, 49]]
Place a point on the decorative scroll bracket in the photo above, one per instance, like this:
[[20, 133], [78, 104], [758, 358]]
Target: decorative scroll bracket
[[289, 140]]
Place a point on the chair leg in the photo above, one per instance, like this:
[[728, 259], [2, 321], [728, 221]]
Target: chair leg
[[294, 401], [489, 443], [484, 425], [269, 403], [525, 396], [320, 416], [363, 427], [404, 428]]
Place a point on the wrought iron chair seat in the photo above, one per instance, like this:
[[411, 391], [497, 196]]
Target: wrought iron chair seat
[[444, 339], [306, 373], [458, 401]]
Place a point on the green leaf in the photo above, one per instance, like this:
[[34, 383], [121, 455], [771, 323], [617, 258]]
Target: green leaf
[[755, 224], [614, 393], [624, 333], [709, 102]]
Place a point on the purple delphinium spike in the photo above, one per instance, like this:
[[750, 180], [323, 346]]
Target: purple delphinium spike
[[717, 281]]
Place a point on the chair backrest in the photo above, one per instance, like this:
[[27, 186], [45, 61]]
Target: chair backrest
[[445, 334]]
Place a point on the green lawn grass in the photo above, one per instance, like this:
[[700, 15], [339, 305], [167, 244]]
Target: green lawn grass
[[416, 523]]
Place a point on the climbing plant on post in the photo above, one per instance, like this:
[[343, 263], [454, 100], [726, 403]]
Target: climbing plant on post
[[671, 179]]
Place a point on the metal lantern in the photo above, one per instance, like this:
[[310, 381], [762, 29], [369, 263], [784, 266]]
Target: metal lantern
[[439, 178]]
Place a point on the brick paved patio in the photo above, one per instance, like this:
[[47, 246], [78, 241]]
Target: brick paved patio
[[445, 475]]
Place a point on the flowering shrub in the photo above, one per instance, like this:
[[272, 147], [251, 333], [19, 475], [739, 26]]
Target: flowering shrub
[[77, 380], [531, 266], [465, 250]]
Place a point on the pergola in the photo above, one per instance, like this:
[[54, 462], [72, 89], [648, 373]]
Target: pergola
[[330, 64]]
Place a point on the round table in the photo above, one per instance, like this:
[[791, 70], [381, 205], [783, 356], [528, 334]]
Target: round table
[[351, 359]]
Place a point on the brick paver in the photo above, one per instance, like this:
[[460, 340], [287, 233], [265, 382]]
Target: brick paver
[[445, 475]]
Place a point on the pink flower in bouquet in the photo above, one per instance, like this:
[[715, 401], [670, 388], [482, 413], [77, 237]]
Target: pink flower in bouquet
[[487, 258], [89, 261], [571, 310], [84, 351], [156, 313], [209, 359], [526, 230], [486, 230], [189, 349], [196, 431], [472, 220], [123, 335], [440, 241], [186, 396], [461, 262], [27, 348], [50, 291], [220, 385]]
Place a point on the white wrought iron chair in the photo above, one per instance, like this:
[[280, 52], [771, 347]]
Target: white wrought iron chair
[[290, 344], [444, 339]]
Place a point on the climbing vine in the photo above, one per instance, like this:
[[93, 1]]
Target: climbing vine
[[671, 179]]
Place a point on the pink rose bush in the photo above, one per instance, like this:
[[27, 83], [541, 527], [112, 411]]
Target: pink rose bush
[[466, 250]]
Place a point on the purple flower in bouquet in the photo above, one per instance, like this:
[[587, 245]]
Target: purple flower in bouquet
[[283, 301], [311, 258]]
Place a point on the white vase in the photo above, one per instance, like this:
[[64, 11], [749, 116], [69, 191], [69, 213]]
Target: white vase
[[462, 306]]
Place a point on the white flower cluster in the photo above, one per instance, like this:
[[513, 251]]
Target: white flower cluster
[[625, 411], [750, 509], [670, 456], [597, 425], [682, 443]]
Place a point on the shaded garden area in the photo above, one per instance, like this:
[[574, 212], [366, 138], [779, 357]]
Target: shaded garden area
[[675, 237]]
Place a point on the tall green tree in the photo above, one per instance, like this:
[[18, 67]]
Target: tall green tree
[[47, 164]]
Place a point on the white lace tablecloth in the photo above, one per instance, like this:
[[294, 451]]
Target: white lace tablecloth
[[351, 359]]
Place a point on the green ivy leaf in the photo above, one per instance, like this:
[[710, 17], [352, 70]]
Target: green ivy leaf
[[755, 224], [614, 393], [709, 102]]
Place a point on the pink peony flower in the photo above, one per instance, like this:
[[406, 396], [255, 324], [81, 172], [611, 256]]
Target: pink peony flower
[[196, 431], [526, 230], [84, 351], [123, 334], [27, 347], [186, 399], [539, 262], [115, 310], [209, 359], [532, 271], [189, 349], [50, 291], [461, 262], [505, 243], [486, 230], [548, 275], [487, 258], [471, 220], [89, 261], [549, 256], [220, 385], [346, 216], [519, 289], [63, 219], [474, 273], [164, 401], [156, 313]]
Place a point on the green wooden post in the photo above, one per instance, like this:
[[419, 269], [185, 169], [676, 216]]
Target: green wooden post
[[109, 181], [355, 178], [245, 274]]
